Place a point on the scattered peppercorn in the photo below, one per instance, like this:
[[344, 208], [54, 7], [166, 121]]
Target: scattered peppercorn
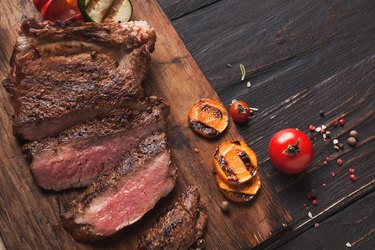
[[334, 122], [325, 163], [353, 177], [201, 243], [311, 195], [305, 206], [351, 170], [336, 148], [341, 146], [224, 207], [333, 173], [324, 184], [321, 113], [316, 225], [196, 150], [312, 128], [342, 122], [354, 134], [339, 162], [314, 202], [352, 141]]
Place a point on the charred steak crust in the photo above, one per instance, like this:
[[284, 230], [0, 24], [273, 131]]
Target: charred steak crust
[[79, 154], [63, 73], [117, 120], [88, 216], [180, 226]]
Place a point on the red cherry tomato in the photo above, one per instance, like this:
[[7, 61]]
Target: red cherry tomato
[[239, 111], [63, 10], [290, 151], [39, 4]]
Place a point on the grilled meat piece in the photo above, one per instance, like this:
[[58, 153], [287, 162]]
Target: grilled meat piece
[[180, 226], [65, 73], [125, 193], [79, 154]]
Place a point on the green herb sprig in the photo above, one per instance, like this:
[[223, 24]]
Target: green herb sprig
[[243, 71]]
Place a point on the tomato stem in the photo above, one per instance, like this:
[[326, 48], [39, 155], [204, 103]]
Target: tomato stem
[[292, 150]]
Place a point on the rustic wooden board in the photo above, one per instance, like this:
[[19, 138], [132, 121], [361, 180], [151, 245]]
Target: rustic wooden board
[[29, 217], [301, 57]]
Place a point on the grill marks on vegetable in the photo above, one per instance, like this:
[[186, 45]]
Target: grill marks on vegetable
[[208, 118], [202, 128], [235, 169]]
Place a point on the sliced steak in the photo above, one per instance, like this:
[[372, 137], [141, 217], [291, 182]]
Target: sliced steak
[[79, 154], [124, 194], [180, 226], [64, 73]]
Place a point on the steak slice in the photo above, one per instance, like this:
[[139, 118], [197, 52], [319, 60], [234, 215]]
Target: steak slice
[[64, 73], [81, 153], [124, 194], [180, 227]]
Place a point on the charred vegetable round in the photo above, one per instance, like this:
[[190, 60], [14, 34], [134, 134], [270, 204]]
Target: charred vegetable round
[[106, 10], [240, 193], [235, 162], [208, 118], [236, 171]]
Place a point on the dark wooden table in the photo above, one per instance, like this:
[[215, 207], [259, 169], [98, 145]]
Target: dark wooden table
[[301, 57]]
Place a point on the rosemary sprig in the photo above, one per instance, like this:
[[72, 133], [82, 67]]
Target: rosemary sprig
[[243, 71]]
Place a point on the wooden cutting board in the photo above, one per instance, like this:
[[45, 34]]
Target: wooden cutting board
[[29, 216]]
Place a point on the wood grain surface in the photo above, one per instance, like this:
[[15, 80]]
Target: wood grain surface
[[354, 224], [301, 57], [29, 216]]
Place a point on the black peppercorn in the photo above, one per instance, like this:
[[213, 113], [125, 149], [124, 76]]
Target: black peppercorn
[[224, 207]]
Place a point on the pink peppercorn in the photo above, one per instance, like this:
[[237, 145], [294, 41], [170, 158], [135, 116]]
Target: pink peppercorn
[[325, 163], [314, 202], [342, 122], [351, 170], [334, 122], [312, 128], [339, 161], [353, 177]]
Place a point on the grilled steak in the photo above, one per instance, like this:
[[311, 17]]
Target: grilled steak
[[64, 73], [79, 154], [180, 226], [125, 193]]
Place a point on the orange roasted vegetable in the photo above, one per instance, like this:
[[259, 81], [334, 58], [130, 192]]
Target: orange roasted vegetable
[[208, 118], [239, 193], [235, 162]]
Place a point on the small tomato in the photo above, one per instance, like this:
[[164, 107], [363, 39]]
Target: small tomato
[[240, 111], [290, 151]]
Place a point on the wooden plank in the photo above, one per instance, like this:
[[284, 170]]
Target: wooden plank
[[354, 224], [31, 220], [2, 247], [177, 8], [300, 57]]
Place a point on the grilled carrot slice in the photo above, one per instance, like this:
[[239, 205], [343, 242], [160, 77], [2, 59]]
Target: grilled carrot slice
[[239, 193], [208, 118], [235, 162]]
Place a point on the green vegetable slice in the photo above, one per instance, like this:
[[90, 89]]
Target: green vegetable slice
[[106, 10]]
